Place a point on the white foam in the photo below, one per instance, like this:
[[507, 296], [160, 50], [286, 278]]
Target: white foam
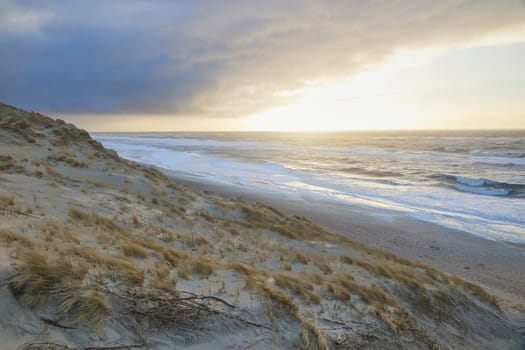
[[496, 154], [486, 216]]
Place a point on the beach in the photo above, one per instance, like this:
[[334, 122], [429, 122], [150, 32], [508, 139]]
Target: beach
[[497, 265], [98, 251]]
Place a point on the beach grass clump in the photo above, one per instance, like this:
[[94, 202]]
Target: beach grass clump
[[296, 285], [6, 162], [8, 237], [193, 240], [89, 254], [37, 278], [155, 175], [338, 292], [134, 250], [413, 274], [6, 201], [89, 307], [202, 266], [207, 216], [93, 219], [173, 256], [278, 302], [322, 265], [476, 290], [300, 257], [68, 159], [160, 277], [372, 293], [374, 269], [124, 270], [51, 230]]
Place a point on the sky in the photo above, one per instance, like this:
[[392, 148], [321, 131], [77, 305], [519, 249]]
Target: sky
[[128, 65]]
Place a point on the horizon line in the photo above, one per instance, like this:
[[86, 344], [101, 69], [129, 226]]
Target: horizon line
[[313, 131]]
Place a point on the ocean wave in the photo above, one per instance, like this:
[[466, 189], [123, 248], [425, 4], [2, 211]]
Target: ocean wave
[[510, 165], [481, 186], [370, 172], [497, 154], [451, 149], [488, 198]]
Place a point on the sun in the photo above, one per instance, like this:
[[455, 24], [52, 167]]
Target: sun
[[364, 102]]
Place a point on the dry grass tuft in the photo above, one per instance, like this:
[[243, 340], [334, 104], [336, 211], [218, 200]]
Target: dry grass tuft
[[37, 279], [90, 307], [301, 257], [173, 256], [277, 301], [6, 201], [338, 292], [322, 265], [51, 230], [93, 219], [312, 336], [478, 291], [161, 278], [202, 266], [124, 269], [134, 250], [297, 285], [8, 237], [82, 251]]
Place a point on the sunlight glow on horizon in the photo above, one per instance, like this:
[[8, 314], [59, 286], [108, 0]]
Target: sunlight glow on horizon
[[419, 90], [414, 90]]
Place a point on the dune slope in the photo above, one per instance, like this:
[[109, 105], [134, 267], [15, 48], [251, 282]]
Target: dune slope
[[100, 252]]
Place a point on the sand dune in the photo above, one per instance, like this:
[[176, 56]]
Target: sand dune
[[100, 252]]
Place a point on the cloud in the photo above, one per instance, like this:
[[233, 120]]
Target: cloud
[[225, 58]]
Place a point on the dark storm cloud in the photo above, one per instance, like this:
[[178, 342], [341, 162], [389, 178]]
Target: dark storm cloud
[[215, 57]]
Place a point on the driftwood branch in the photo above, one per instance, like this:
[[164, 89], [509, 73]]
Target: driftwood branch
[[181, 306], [206, 297], [251, 323], [56, 323]]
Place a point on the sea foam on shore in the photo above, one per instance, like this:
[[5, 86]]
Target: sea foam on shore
[[471, 181]]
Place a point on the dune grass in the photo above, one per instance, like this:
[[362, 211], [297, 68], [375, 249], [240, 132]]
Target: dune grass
[[279, 303], [96, 220], [124, 270], [296, 285], [134, 250], [8, 237], [89, 307], [37, 279], [6, 201]]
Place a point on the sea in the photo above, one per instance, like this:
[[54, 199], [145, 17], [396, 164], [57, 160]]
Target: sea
[[472, 181]]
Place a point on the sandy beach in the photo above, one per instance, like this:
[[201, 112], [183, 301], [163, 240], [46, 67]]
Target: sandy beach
[[498, 266], [265, 175], [99, 252]]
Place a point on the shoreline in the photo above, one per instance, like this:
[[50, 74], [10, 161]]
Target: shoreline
[[496, 265], [98, 252]]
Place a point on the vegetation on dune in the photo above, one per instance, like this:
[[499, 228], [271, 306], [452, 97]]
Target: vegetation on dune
[[7, 237], [110, 249], [134, 250], [89, 307]]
